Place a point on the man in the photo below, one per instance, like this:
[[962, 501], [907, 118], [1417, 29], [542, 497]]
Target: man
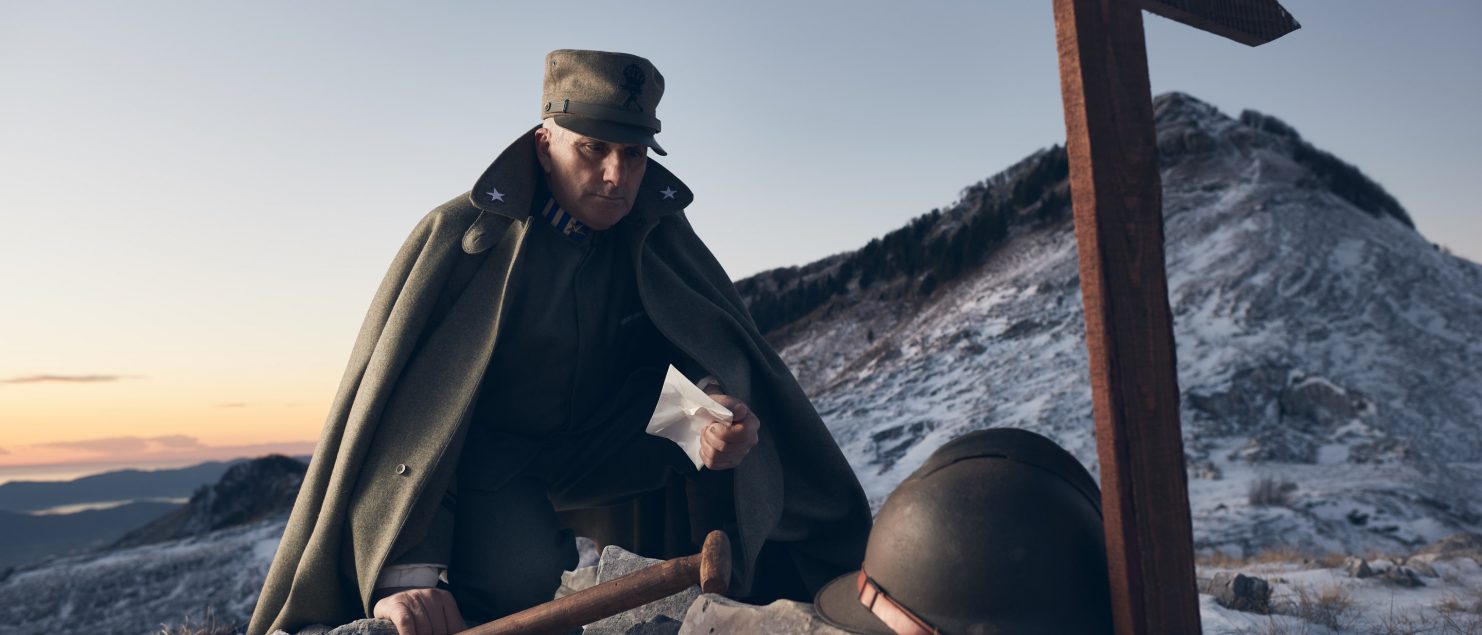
[[495, 401]]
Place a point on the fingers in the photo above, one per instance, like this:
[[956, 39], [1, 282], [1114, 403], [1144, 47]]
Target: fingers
[[738, 409], [420, 617], [396, 610], [724, 445], [421, 612], [452, 619]]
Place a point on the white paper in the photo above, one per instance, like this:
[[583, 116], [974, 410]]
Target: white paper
[[683, 412]]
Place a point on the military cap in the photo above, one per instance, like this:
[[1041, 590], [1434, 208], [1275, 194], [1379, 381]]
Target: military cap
[[608, 96]]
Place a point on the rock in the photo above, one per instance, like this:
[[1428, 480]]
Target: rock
[[1239, 592], [1422, 567], [1402, 576], [713, 614], [658, 625], [573, 581], [358, 627], [248, 492], [656, 618], [1357, 567], [616, 563]]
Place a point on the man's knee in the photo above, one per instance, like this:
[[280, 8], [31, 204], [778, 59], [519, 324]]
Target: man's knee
[[508, 550]]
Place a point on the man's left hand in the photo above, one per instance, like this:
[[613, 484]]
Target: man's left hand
[[724, 445]]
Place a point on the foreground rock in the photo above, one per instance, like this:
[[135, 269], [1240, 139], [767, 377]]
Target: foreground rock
[[715, 614], [1239, 592], [656, 618]]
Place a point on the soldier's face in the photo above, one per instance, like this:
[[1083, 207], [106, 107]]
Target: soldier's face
[[594, 180]]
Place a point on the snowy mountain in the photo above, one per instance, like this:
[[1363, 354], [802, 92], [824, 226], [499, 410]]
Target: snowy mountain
[[1326, 351]]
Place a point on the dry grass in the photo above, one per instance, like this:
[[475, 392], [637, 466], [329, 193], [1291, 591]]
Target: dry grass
[[1454, 603], [1275, 555], [1422, 623], [1331, 607], [1270, 627], [207, 626]]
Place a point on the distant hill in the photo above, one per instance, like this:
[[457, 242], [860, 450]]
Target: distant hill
[[250, 491], [32, 538], [28, 496]]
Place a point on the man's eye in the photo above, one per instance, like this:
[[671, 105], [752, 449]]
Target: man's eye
[[595, 147], [634, 152]]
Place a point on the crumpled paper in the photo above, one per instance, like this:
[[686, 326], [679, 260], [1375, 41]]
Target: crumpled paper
[[683, 412]]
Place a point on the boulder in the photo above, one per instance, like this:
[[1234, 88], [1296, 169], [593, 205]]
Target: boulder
[[1402, 576], [1239, 592], [358, 627], [654, 618], [712, 614], [1357, 567]]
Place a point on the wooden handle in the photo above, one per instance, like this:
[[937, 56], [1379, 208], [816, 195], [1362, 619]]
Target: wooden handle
[[715, 563], [711, 569]]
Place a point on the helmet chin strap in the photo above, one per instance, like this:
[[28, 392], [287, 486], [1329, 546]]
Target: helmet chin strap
[[895, 615]]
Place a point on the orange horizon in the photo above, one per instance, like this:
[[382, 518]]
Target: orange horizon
[[34, 457]]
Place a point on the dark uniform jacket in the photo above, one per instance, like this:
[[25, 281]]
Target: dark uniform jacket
[[395, 430]]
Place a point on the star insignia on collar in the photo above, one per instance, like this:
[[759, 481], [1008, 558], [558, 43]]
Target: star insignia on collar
[[496, 195], [668, 192]]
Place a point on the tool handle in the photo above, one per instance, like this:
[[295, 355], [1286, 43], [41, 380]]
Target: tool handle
[[711, 569]]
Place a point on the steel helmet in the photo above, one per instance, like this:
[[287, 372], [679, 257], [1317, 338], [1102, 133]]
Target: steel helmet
[[998, 532]]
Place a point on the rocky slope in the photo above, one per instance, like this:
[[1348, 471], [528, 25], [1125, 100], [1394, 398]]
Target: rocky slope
[[248, 492], [1321, 340]]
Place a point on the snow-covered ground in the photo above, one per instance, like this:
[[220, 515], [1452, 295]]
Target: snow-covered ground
[[1309, 598], [210, 579]]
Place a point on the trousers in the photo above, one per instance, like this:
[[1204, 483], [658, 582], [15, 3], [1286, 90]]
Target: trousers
[[509, 545]]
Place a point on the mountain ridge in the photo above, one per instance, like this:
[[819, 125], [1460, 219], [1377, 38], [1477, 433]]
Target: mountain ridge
[[1321, 340]]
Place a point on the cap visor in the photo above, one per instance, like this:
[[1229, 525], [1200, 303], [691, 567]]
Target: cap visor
[[838, 604], [608, 131]]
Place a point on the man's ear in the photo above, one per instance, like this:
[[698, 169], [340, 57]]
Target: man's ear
[[543, 148]]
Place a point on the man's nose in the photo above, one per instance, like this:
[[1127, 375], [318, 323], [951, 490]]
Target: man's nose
[[615, 169]]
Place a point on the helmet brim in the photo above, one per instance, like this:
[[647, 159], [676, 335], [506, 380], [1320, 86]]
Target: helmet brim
[[838, 604]]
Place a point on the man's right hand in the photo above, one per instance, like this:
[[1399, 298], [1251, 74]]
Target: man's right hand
[[420, 611]]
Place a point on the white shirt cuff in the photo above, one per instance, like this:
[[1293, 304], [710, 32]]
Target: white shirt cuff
[[706, 382]]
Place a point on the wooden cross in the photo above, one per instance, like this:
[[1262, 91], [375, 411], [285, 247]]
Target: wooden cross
[[1116, 192]]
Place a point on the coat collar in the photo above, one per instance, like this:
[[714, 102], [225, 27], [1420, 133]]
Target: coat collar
[[510, 184]]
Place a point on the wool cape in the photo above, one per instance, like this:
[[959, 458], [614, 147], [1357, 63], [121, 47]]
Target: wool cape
[[394, 432]]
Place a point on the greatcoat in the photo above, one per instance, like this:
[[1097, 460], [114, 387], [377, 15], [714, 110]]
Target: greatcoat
[[394, 432]]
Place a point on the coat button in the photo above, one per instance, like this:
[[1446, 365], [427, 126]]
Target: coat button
[[401, 468]]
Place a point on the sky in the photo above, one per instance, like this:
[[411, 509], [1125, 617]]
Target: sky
[[199, 199]]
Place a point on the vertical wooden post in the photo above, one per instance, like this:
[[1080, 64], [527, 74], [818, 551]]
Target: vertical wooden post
[[1116, 193]]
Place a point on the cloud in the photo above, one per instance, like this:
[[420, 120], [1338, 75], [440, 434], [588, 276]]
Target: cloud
[[231, 405], [108, 444], [4, 451], [147, 451], [123, 445], [177, 441], [65, 379]]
